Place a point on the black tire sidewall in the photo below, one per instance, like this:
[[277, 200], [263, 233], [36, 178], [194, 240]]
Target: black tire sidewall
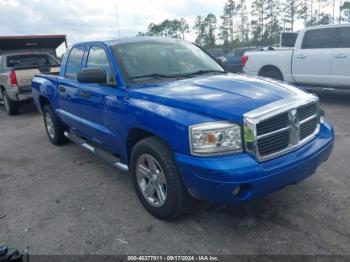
[[12, 107], [175, 189]]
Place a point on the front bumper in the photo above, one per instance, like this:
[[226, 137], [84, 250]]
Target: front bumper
[[214, 179]]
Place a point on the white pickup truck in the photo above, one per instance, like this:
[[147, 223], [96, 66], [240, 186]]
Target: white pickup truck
[[319, 61]]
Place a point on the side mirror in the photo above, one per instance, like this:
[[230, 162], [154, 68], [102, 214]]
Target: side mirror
[[93, 75]]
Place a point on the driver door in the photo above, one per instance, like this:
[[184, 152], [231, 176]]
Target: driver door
[[94, 100]]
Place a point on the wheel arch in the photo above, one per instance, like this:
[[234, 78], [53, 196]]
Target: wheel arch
[[135, 135], [43, 100], [267, 68]]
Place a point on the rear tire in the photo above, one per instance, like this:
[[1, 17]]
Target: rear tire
[[273, 73], [54, 127], [12, 107], [157, 181]]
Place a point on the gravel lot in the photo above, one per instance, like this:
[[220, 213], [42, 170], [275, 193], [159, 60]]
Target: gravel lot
[[63, 200]]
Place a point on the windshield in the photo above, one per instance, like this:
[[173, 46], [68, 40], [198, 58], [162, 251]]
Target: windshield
[[30, 60], [163, 58]]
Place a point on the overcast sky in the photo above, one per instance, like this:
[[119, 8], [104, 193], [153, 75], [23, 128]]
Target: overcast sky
[[96, 19]]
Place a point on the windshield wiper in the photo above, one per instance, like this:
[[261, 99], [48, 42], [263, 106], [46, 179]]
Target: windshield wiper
[[160, 76], [203, 72], [157, 76]]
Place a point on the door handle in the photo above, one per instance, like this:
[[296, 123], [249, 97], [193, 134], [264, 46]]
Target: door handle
[[301, 56], [61, 89], [340, 56], [85, 94]]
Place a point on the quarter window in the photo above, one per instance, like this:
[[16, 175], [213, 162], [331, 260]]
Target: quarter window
[[320, 38], [345, 37], [74, 62]]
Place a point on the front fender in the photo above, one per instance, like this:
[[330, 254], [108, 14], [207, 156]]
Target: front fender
[[168, 123]]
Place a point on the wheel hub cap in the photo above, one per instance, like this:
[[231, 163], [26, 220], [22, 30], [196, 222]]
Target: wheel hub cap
[[49, 125], [151, 180]]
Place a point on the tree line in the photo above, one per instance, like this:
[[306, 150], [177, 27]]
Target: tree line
[[259, 24]]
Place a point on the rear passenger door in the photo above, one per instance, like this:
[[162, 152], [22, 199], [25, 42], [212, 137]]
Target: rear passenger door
[[93, 98], [312, 61], [341, 59], [68, 87]]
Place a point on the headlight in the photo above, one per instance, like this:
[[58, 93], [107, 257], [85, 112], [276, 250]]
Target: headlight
[[215, 138]]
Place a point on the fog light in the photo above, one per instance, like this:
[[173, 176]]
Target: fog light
[[236, 191]]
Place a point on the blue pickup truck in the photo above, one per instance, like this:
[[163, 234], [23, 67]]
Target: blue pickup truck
[[185, 129]]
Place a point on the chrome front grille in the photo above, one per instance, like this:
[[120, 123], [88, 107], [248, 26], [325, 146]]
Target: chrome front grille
[[272, 124], [274, 133], [309, 119], [308, 128], [274, 143], [306, 111]]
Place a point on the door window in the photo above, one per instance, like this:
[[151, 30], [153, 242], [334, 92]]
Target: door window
[[98, 58], [74, 62], [320, 38], [344, 37]]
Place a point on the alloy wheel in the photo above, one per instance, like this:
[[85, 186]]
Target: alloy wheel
[[49, 125], [151, 180]]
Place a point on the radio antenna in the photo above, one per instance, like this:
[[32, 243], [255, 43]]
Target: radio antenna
[[117, 18]]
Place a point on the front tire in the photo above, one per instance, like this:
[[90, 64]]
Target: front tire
[[157, 181], [12, 107], [54, 127]]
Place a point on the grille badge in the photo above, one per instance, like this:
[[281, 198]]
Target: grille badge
[[295, 127]]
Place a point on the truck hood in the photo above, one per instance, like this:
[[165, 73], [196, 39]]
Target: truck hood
[[225, 97]]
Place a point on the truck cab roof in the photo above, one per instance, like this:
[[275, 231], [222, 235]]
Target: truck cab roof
[[129, 40], [325, 26]]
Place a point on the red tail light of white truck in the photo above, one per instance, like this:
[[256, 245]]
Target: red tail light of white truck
[[13, 78], [244, 60]]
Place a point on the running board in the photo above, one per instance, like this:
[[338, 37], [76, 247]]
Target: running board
[[115, 161]]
